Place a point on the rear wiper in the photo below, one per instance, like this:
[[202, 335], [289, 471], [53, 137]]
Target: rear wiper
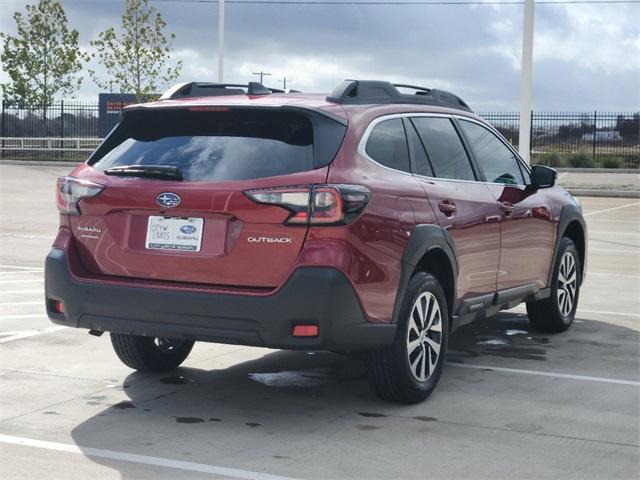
[[160, 172]]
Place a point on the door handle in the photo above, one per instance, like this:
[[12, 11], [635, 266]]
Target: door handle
[[447, 207], [506, 208]]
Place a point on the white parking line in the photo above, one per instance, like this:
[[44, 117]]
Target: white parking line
[[11, 336], [21, 291], [23, 317], [141, 459], [15, 235], [18, 267], [21, 272], [611, 209], [28, 280], [545, 374], [601, 312], [611, 251], [606, 274], [12, 304], [611, 232]]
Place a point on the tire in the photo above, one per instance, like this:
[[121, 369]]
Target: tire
[[149, 354], [555, 314], [389, 370]]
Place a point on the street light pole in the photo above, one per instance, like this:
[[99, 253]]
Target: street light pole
[[262, 74], [524, 141], [284, 82], [220, 41]]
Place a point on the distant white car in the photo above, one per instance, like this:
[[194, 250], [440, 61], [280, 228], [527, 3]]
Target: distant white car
[[602, 136]]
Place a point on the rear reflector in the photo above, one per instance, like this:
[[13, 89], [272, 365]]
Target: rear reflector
[[305, 331], [57, 306]]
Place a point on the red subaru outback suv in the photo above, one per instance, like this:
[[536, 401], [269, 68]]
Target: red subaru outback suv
[[371, 219]]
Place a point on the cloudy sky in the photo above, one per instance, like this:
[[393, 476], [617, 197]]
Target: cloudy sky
[[586, 57]]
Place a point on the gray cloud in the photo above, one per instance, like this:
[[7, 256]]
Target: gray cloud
[[586, 57]]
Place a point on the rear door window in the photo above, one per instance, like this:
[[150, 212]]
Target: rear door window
[[213, 145], [444, 148], [387, 145]]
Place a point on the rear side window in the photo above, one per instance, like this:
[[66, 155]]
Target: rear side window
[[421, 165], [444, 148], [231, 144], [387, 145], [499, 163]]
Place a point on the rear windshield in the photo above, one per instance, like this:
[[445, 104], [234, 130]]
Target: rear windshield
[[238, 144]]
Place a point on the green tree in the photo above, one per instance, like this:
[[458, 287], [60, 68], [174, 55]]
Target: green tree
[[43, 59], [135, 59]]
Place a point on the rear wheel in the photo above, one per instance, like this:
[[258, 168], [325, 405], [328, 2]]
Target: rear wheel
[[149, 354], [556, 313], [409, 370]]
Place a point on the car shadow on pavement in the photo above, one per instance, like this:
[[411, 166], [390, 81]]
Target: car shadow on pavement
[[284, 402]]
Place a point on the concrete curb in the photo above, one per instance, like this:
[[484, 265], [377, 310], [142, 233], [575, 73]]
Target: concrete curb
[[586, 192], [42, 163], [598, 170]]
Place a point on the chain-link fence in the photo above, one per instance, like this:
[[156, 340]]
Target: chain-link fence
[[560, 139]]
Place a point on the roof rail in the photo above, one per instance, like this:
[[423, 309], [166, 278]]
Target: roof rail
[[209, 89], [362, 92]]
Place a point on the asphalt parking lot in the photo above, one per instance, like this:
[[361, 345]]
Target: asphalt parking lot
[[512, 403]]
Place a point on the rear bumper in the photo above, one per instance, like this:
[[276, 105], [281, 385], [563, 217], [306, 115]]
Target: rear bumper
[[320, 296]]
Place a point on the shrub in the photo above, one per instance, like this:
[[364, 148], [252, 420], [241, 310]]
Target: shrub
[[580, 160], [611, 162], [551, 159]]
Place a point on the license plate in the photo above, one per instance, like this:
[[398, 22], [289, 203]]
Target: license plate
[[170, 233]]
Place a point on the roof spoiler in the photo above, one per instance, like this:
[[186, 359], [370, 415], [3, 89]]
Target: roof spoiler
[[209, 89], [362, 92]]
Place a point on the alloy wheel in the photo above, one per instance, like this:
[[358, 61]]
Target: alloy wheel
[[424, 336], [567, 283]]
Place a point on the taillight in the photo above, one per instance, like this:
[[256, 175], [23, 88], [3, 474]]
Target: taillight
[[71, 190], [316, 204]]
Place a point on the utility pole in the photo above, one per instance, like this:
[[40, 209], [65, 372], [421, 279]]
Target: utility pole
[[220, 41], [526, 73], [284, 82], [262, 74]]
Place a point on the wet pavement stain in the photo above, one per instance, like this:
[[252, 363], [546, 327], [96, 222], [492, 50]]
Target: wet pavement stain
[[189, 420], [367, 428], [425, 419], [281, 457], [252, 424], [123, 405], [214, 419], [179, 380], [519, 351], [371, 414]]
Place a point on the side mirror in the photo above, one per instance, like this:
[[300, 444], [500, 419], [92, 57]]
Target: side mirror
[[543, 177]]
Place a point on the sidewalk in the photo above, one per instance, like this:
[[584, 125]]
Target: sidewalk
[[601, 184]]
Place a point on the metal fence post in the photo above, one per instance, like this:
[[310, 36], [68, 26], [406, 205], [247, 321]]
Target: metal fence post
[[531, 137], [595, 130], [61, 128], [2, 124]]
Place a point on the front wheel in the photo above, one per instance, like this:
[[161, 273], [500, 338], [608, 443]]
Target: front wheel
[[409, 370], [149, 354], [556, 313]]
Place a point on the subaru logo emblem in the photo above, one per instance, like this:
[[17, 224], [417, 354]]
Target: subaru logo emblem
[[188, 229], [168, 200]]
